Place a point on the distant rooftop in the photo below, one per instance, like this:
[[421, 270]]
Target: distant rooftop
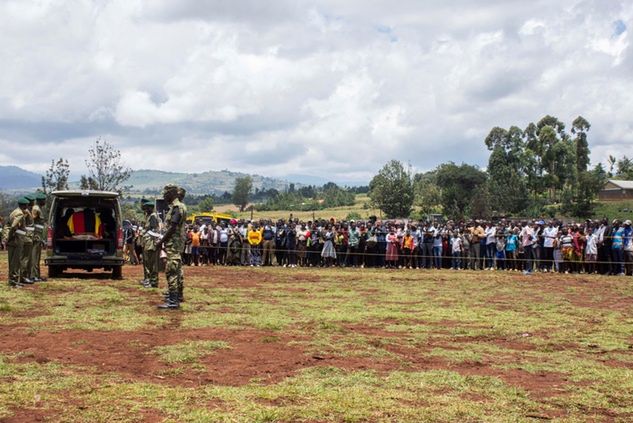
[[622, 184]]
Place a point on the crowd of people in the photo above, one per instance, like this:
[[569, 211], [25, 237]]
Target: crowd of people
[[507, 245]]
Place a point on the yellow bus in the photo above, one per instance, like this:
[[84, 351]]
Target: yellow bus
[[208, 217]]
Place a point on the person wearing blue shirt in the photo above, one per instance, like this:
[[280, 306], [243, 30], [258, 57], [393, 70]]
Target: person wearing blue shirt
[[617, 249], [628, 247]]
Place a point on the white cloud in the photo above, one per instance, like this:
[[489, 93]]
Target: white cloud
[[305, 87]]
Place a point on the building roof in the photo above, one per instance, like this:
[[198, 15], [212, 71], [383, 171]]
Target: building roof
[[622, 184]]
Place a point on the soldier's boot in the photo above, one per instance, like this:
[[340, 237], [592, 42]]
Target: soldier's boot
[[148, 284], [15, 284], [27, 281], [143, 282], [171, 303]]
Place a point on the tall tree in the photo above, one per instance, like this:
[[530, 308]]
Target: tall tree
[[458, 185], [106, 172], [507, 167], [392, 190], [580, 127], [241, 192], [56, 177], [427, 195]]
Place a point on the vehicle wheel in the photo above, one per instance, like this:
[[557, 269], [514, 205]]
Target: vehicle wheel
[[54, 271], [117, 272]]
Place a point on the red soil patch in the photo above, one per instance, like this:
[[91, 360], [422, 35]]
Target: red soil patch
[[22, 415], [251, 356], [254, 357]]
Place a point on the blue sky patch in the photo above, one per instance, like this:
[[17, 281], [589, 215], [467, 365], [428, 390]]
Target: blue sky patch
[[619, 27]]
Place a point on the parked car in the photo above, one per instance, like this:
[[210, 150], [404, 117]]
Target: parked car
[[85, 232]]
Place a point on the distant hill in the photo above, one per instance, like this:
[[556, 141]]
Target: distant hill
[[14, 178], [210, 182]]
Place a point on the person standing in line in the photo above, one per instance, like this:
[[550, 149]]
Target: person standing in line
[[27, 248], [39, 236], [550, 235], [15, 242], [617, 248], [150, 235], [628, 247], [268, 236], [491, 246], [173, 240], [591, 250], [527, 241], [183, 211]]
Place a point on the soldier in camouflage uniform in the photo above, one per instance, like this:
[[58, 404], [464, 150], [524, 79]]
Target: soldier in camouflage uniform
[[15, 242], [181, 280], [27, 246], [39, 236], [174, 241], [150, 236]]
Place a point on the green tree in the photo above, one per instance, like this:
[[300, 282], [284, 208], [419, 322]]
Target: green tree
[[481, 203], [106, 172], [427, 195], [242, 191], [508, 167], [56, 177], [392, 190], [458, 185], [624, 168], [206, 204], [580, 127]]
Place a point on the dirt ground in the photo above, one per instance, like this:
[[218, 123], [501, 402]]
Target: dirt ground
[[270, 356]]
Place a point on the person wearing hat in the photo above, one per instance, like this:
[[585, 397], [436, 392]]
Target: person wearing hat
[[174, 241], [27, 247], [39, 236], [150, 234], [15, 242]]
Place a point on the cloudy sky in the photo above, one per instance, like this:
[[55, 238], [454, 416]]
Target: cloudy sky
[[325, 88]]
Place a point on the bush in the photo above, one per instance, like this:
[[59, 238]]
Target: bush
[[353, 216]]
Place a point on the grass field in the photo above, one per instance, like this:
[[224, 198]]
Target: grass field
[[319, 345], [361, 206]]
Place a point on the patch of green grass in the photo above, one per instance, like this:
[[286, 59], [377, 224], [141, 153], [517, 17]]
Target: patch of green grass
[[188, 352], [493, 323]]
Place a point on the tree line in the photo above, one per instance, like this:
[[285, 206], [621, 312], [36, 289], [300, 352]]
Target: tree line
[[540, 170]]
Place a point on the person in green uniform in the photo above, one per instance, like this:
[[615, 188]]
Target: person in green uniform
[[173, 240], [27, 247], [15, 242], [181, 280], [150, 237], [39, 236]]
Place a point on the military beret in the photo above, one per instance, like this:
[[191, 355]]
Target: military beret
[[23, 201], [147, 203], [40, 196], [30, 197]]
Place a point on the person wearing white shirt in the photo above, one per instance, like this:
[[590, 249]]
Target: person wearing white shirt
[[491, 246], [527, 242], [550, 234], [591, 249]]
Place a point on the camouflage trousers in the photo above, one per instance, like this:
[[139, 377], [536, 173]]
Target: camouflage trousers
[[173, 272], [150, 265], [181, 281]]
